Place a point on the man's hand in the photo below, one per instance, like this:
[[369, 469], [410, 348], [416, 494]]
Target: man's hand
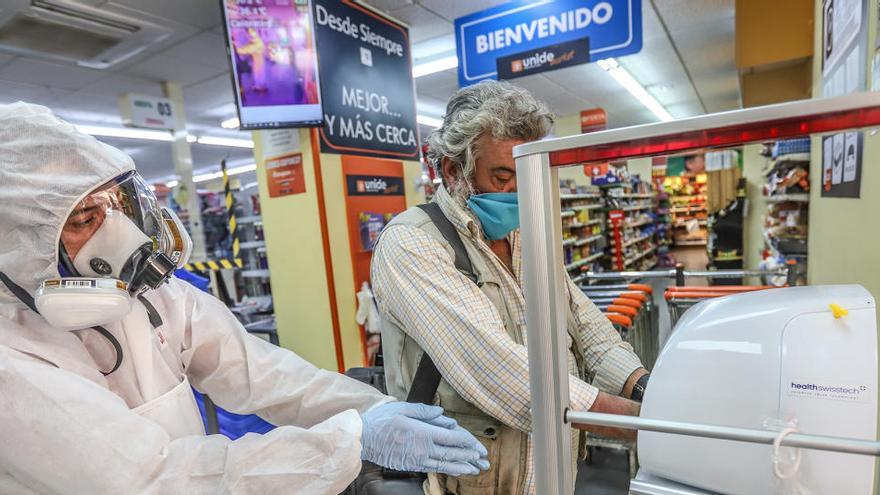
[[609, 404]]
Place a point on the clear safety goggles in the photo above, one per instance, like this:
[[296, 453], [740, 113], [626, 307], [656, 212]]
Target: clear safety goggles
[[115, 229]]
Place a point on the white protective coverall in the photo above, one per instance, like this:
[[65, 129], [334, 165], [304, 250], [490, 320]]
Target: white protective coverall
[[66, 428]]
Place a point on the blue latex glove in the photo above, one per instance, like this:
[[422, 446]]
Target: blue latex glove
[[417, 437]]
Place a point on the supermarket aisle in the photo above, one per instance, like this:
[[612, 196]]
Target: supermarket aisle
[[693, 258]]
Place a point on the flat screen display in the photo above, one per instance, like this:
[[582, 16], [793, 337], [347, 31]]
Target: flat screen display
[[271, 45]]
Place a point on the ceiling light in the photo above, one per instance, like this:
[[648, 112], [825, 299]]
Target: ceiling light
[[190, 138], [625, 79], [172, 183], [223, 141], [429, 121], [435, 66], [124, 132], [230, 172], [232, 123]]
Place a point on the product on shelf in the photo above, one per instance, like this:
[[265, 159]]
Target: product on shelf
[[687, 209], [583, 239], [787, 193]]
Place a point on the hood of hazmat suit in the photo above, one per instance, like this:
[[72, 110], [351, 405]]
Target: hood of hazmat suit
[[137, 429]]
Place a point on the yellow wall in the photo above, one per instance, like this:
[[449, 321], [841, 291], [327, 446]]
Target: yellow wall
[[844, 233], [753, 238], [296, 263], [640, 167], [296, 259], [569, 126]]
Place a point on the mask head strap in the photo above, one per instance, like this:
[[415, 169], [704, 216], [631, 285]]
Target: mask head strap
[[28, 300]]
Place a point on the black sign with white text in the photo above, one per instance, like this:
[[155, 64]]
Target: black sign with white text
[[374, 185], [366, 83], [544, 59]]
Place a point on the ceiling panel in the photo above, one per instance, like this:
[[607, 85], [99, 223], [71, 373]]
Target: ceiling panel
[[206, 48], [199, 13], [50, 74], [429, 24], [162, 67], [213, 99], [116, 84], [388, 5], [453, 9]]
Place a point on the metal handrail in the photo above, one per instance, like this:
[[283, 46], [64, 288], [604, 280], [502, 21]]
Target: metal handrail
[[800, 440]]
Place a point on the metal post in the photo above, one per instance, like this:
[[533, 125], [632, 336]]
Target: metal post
[[181, 154], [802, 440], [679, 275], [545, 300]]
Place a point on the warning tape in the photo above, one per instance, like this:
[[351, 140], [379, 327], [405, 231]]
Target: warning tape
[[214, 265]]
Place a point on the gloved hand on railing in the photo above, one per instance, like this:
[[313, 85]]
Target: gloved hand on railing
[[417, 437]]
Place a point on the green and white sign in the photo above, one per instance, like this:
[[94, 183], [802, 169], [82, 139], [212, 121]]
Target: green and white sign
[[146, 111]]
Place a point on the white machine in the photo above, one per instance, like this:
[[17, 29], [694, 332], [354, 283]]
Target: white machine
[[803, 356]]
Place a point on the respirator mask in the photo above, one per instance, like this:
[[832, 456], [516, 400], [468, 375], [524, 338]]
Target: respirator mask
[[115, 245]]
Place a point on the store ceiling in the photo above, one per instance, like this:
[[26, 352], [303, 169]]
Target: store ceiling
[[680, 37]]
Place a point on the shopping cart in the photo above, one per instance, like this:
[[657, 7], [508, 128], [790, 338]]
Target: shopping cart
[[629, 298], [680, 299]]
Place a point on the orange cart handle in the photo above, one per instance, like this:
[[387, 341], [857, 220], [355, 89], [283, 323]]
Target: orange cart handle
[[619, 319], [641, 287], [721, 288], [632, 303], [695, 295], [625, 310], [638, 296]]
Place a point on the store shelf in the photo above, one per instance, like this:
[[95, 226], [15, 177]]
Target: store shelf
[[580, 263], [638, 208], [792, 157], [567, 213], [581, 241], [597, 221], [640, 255], [637, 240], [575, 226], [252, 244], [587, 207], [253, 219], [690, 243], [585, 241], [566, 197], [782, 198], [642, 223], [702, 223], [635, 195], [255, 273], [688, 210]]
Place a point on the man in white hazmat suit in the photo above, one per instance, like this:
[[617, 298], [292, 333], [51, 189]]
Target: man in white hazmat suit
[[99, 346]]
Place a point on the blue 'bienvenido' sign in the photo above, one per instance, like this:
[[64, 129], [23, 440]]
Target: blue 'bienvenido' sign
[[613, 26]]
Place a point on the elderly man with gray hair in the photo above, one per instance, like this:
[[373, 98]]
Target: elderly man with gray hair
[[447, 279]]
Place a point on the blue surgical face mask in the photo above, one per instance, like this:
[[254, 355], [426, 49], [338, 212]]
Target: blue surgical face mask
[[498, 213]]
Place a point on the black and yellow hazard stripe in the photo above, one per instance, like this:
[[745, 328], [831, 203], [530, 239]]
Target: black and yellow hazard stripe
[[230, 213], [204, 266]]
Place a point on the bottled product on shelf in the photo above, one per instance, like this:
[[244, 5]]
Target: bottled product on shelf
[[788, 195], [688, 210], [631, 219], [583, 226], [664, 230]]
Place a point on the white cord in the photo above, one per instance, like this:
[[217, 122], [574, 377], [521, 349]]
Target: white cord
[[797, 460]]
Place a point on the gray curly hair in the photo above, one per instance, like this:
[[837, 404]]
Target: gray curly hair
[[498, 108]]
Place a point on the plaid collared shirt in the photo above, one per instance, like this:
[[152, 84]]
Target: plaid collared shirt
[[418, 288]]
